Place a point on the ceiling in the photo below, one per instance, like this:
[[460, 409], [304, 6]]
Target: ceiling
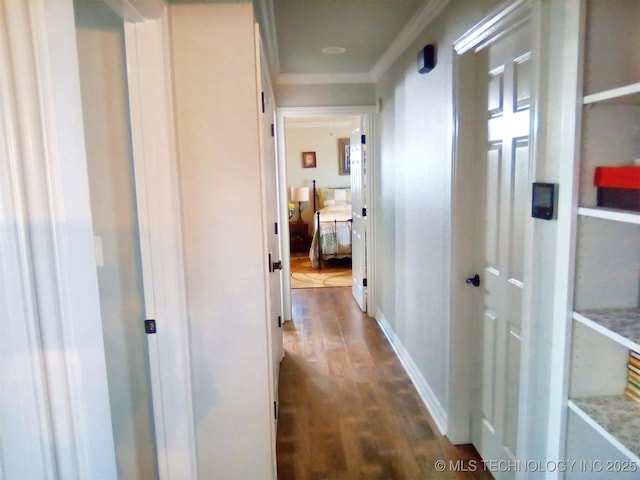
[[372, 32]]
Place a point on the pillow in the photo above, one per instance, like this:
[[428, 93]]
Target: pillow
[[334, 196], [337, 208]]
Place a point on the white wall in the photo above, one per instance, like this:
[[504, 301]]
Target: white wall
[[109, 161], [216, 95], [413, 207], [322, 138]]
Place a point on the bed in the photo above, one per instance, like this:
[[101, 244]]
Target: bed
[[331, 226]]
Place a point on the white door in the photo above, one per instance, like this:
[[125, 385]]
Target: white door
[[504, 173], [357, 157], [272, 209]]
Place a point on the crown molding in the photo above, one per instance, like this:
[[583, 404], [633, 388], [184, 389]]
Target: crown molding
[[501, 21], [322, 78], [421, 20], [136, 10], [268, 35]]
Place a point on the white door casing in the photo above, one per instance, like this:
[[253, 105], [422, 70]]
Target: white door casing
[[161, 237], [270, 185], [55, 420], [357, 158]]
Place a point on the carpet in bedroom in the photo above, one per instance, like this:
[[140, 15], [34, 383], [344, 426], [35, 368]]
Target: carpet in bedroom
[[334, 273]]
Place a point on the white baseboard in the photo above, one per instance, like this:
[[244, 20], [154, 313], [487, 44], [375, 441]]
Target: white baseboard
[[429, 399]]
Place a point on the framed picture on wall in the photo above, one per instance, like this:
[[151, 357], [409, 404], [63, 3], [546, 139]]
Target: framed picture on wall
[[344, 162], [309, 159]]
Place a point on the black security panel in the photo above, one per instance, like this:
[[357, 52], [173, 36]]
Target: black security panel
[[543, 201], [427, 58]]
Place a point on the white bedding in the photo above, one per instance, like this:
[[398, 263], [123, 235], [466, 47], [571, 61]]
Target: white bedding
[[335, 233]]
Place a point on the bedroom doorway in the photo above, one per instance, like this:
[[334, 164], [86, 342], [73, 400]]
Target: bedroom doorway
[[318, 181], [314, 144]]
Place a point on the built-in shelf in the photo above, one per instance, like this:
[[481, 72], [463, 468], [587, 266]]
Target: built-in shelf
[[621, 325], [606, 243], [615, 417], [626, 94], [625, 216]]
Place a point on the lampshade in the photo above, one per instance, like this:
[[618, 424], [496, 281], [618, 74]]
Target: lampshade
[[299, 194]]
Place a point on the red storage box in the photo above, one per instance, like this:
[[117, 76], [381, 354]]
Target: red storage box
[[618, 187]]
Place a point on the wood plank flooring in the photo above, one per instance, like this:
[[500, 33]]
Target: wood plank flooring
[[347, 408]]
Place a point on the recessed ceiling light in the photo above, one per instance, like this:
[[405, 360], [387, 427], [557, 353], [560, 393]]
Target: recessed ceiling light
[[334, 50]]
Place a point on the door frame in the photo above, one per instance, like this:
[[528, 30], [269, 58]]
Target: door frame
[[157, 185], [367, 122], [54, 399], [504, 19], [268, 160]]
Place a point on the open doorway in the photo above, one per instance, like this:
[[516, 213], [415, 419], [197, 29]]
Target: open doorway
[[317, 153], [103, 81], [319, 146]]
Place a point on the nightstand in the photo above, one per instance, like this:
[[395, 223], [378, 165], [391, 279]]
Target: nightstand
[[299, 236]]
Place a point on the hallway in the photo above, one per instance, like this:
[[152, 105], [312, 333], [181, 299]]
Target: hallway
[[347, 408]]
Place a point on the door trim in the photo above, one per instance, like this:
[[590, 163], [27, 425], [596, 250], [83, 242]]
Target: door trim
[[269, 161], [54, 398], [367, 120], [506, 18], [157, 186]]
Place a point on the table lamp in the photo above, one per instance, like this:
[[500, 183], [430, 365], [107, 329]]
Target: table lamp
[[299, 194]]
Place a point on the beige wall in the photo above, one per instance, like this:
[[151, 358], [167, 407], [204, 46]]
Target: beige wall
[[106, 121], [216, 94]]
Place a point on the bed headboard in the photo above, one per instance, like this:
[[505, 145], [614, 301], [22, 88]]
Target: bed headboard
[[324, 196]]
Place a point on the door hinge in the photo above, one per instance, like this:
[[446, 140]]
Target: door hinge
[[270, 265], [273, 130], [363, 139], [263, 109], [364, 282], [275, 410], [150, 326], [364, 211], [276, 227], [280, 321]]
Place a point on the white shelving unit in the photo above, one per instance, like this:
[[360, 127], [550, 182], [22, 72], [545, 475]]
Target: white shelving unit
[[606, 317], [625, 94], [621, 325], [623, 216]]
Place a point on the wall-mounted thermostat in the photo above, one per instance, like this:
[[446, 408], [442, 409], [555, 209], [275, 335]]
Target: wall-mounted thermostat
[[543, 200]]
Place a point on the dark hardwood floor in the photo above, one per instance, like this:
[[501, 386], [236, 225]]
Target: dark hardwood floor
[[347, 408]]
